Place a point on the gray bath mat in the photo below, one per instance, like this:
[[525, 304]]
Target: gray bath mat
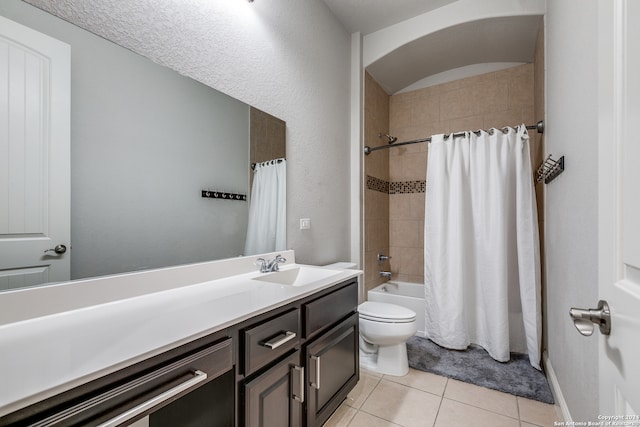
[[475, 366]]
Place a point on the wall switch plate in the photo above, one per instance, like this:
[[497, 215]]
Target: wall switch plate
[[305, 223]]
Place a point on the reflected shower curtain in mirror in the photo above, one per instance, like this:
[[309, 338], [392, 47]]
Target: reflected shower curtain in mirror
[[482, 256], [266, 229]]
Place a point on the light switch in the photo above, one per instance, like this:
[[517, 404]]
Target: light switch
[[305, 223]]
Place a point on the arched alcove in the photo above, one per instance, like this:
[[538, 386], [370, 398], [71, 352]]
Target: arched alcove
[[462, 34], [494, 40]]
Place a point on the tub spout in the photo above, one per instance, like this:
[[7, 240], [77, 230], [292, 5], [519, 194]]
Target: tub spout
[[385, 274]]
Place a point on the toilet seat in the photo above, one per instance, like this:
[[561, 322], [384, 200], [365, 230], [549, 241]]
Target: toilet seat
[[385, 313]]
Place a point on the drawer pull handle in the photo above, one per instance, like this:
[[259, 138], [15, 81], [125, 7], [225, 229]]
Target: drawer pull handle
[[316, 384], [199, 376], [288, 336], [300, 396]]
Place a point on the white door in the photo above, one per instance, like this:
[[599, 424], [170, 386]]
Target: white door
[[34, 157], [619, 207]]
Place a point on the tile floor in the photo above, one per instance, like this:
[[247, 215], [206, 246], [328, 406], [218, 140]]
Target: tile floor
[[422, 399]]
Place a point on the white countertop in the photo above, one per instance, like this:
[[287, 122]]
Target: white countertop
[[48, 354]]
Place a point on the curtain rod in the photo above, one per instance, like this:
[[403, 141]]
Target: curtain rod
[[539, 127], [272, 162]]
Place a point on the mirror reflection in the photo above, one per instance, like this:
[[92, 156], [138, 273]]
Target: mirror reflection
[[145, 143]]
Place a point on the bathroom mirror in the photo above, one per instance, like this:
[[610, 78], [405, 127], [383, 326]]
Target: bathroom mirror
[[145, 143]]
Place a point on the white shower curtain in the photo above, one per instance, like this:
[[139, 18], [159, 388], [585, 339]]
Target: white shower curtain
[[266, 229], [482, 256]]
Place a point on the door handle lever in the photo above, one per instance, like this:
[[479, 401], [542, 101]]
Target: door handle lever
[[584, 319], [59, 250]]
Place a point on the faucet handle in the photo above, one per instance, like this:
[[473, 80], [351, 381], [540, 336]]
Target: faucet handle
[[278, 259], [262, 263], [382, 258]]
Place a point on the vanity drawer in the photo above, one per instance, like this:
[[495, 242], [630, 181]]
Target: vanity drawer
[[271, 339], [330, 308], [159, 389]]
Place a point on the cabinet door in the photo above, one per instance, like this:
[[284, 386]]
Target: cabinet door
[[275, 397], [332, 362]]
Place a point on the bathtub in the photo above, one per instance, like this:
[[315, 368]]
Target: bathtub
[[410, 295]]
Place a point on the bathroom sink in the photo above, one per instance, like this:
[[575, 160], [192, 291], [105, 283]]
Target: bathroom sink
[[298, 276]]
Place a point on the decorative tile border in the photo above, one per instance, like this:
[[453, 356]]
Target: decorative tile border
[[377, 184], [405, 187], [400, 187]]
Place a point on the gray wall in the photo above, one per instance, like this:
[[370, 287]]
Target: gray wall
[[571, 200], [288, 58], [144, 142]]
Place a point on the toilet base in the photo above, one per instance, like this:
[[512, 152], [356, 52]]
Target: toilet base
[[389, 360]]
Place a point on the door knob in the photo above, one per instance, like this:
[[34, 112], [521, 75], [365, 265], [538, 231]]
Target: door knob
[[584, 319], [59, 249]]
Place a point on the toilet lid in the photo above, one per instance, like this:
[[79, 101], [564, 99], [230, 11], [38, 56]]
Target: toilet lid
[[383, 310]]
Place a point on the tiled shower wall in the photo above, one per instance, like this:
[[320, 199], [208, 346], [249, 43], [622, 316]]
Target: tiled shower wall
[[502, 98], [376, 195], [497, 99], [267, 137]]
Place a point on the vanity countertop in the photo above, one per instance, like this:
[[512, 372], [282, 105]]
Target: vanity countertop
[[45, 355]]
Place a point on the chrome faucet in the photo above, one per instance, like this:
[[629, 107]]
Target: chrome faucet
[[382, 258], [270, 266], [385, 274]]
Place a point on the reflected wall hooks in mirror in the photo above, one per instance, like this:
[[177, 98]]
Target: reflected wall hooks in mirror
[[223, 195]]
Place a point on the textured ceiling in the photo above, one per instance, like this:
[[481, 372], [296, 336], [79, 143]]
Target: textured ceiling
[[178, 34]]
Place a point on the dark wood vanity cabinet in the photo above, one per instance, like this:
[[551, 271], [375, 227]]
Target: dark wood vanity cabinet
[[292, 366]]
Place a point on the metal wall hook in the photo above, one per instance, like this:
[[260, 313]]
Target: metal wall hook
[[549, 169], [210, 194]]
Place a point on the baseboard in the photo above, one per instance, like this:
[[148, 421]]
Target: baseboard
[[555, 389]]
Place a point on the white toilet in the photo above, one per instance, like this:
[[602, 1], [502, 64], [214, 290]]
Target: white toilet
[[384, 331]]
